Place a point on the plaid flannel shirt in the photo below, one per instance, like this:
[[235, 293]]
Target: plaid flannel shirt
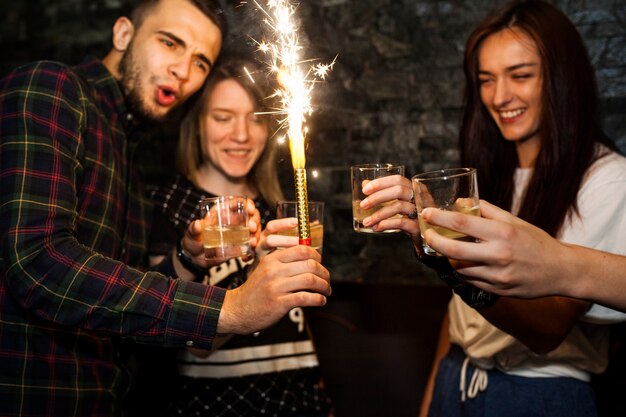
[[72, 220]]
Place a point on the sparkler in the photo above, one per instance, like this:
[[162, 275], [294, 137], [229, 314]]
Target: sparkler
[[295, 85]]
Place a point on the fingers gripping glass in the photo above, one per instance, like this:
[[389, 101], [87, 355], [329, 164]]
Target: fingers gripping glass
[[316, 221], [225, 232], [454, 189], [361, 175]]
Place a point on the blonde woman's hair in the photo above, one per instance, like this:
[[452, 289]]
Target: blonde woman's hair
[[263, 175]]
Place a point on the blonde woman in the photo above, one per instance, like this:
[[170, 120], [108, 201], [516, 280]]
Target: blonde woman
[[225, 148]]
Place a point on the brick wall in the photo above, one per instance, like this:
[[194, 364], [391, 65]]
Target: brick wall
[[394, 94]]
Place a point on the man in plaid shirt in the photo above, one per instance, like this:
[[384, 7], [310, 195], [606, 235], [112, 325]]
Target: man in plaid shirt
[[73, 222]]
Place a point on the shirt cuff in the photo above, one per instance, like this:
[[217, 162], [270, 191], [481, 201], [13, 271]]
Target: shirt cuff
[[193, 317]]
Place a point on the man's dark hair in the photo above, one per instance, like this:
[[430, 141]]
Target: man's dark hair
[[211, 8]]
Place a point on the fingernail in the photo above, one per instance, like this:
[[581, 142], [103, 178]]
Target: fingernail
[[363, 202]]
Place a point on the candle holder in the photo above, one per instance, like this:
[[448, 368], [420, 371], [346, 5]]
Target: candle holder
[[302, 205]]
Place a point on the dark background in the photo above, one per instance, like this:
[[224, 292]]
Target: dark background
[[393, 95]]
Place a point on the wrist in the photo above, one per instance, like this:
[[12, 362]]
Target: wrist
[[166, 266], [573, 263], [472, 296], [225, 321], [185, 260]]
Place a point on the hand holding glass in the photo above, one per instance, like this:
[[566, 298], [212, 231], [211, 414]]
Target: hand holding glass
[[361, 175], [286, 209], [454, 189], [225, 232]]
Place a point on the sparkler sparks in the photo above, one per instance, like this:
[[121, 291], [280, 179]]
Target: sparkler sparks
[[296, 78], [295, 75]]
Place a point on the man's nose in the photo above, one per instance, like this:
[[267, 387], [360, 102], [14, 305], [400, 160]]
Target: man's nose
[[181, 67]]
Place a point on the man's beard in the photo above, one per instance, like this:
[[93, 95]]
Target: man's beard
[[130, 80]]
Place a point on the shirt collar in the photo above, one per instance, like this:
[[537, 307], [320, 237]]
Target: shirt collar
[[109, 90]]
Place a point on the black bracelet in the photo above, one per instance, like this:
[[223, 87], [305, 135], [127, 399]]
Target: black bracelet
[[187, 262], [473, 296]]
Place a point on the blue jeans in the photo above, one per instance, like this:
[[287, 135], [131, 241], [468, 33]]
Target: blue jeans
[[507, 395]]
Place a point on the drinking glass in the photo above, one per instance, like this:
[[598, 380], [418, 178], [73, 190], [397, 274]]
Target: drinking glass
[[316, 221], [225, 232], [453, 189], [361, 175]]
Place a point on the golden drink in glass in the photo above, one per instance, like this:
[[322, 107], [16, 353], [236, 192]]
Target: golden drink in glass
[[359, 214], [454, 189], [361, 175], [317, 235], [452, 234], [225, 231], [316, 221], [225, 242]]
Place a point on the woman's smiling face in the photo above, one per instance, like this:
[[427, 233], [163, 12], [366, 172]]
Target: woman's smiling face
[[234, 135], [510, 76]]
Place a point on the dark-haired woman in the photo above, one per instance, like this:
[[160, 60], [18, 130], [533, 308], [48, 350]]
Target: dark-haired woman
[[531, 128]]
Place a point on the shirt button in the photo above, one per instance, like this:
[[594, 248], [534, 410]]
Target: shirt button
[[189, 343], [129, 116]]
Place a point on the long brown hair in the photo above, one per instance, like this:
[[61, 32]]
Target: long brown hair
[[252, 78], [569, 126]]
